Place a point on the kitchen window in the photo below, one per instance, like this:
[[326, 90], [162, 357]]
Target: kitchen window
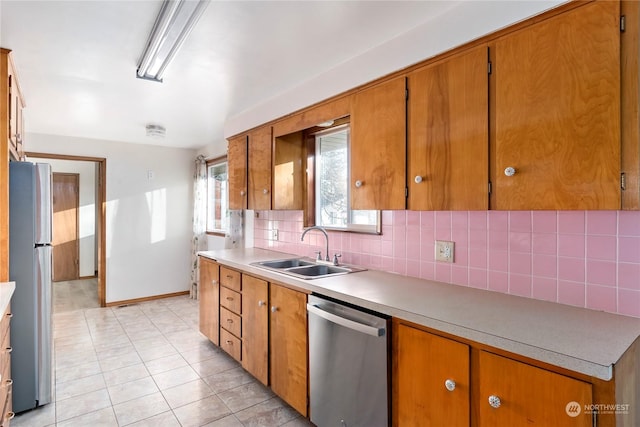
[[332, 197], [217, 196]]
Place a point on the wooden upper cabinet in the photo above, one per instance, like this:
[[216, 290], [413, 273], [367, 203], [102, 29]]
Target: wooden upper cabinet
[[209, 290], [288, 346], [529, 395], [237, 165], [260, 151], [556, 112], [432, 381], [378, 146], [255, 327], [448, 141], [288, 171]]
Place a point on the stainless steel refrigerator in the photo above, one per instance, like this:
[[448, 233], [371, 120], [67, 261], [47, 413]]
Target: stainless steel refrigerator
[[30, 216]]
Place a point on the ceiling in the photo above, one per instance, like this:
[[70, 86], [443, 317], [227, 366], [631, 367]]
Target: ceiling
[[77, 61]]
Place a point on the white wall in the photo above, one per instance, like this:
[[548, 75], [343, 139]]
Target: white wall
[[148, 221], [87, 214], [466, 21]]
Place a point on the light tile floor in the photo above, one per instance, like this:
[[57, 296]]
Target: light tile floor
[[147, 365]]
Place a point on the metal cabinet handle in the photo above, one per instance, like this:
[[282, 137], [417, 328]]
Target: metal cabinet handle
[[510, 171], [229, 342], [450, 385], [417, 179], [261, 303], [242, 193], [10, 415], [214, 282], [274, 308], [229, 276], [358, 184], [265, 191], [229, 320], [10, 315], [8, 382], [494, 401], [229, 298], [9, 349]]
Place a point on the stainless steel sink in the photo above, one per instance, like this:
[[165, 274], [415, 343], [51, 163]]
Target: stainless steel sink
[[285, 263], [305, 268]]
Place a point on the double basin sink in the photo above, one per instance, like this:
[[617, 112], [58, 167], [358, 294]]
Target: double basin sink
[[305, 268]]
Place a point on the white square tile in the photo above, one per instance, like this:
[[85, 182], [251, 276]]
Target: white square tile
[[140, 408]]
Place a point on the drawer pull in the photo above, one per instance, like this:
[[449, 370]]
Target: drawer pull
[[450, 385], [9, 382], [261, 303], [214, 282], [229, 342], [229, 298], [494, 401], [229, 276], [274, 308], [229, 320], [10, 415], [9, 314], [9, 349]]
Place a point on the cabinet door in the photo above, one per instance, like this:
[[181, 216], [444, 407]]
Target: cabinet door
[[288, 172], [432, 380], [557, 112], [237, 164], [255, 327], [260, 169], [288, 344], [448, 122], [529, 395], [209, 299], [378, 147]]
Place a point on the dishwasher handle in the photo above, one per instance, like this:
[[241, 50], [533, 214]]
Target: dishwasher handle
[[347, 323]]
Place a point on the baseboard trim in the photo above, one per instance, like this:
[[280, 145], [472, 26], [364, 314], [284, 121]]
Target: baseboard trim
[[151, 298], [88, 277]]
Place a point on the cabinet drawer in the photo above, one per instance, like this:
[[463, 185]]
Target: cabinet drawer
[[230, 279], [231, 322], [4, 322], [231, 344], [231, 300]]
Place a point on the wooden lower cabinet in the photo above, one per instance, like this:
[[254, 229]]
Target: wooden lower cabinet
[[5, 370], [209, 298], [440, 381], [431, 381], [255, 327], [529, 395], [288, 344]]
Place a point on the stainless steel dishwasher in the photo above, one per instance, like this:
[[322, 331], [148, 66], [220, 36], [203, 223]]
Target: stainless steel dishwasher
[[348, 365]]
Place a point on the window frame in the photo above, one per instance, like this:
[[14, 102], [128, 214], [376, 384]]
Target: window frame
[[313, 182], [217, 232]]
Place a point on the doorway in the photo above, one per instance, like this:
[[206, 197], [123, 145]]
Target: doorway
[[66, 241], [97, 269]]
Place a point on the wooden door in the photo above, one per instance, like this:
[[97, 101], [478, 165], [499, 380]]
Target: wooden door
[[65, 188], [237, 164], [288, 344], [448, 122], [424, 363], [529, 395], [255, 327], [556, 93], [260, 152], [378, 147], [209, 299]]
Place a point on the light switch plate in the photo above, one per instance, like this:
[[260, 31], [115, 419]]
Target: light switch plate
[[274, 234], [444, 251]]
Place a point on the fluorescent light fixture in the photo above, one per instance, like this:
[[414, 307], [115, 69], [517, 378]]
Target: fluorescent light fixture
[[173, 24]]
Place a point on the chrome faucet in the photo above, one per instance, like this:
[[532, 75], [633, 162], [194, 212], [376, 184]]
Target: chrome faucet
[[326, 236]]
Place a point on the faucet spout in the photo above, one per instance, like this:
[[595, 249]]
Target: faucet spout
[[326, 237]]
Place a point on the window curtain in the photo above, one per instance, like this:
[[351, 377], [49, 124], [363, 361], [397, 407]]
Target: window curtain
[[199, 239]]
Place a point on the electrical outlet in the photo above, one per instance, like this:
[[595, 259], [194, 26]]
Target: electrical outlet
[[274, 234], [444, 251]]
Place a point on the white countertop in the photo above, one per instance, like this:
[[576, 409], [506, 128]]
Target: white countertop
[[6, 292], [582, 340]]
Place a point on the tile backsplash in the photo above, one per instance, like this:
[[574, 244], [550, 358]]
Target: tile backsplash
[[582, 258]]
